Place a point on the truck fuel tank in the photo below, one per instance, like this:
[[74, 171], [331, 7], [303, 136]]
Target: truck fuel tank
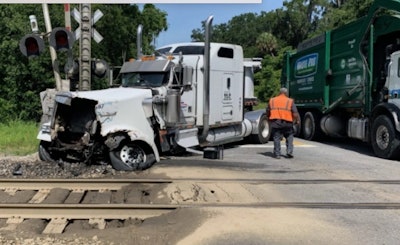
[[173, 106], [332, 125]]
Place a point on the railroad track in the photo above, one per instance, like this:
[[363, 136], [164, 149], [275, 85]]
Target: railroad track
[[61, 200]]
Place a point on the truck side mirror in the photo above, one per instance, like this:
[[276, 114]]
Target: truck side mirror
[[187, 76]]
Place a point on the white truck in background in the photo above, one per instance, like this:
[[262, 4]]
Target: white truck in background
[[165, 104]]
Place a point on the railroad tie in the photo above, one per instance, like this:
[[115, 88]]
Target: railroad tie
[[12, 223], [40, 196], [56, 226]]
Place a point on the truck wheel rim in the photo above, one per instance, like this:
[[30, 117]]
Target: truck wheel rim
[[382, 137], [132, 155]]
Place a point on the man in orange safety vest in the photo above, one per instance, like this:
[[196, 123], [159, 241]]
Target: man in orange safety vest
[[282, 113]]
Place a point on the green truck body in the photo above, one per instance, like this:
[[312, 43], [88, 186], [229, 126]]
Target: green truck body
[[345, 82]]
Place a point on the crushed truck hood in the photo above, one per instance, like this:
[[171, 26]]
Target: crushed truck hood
[[107, 95], [117, 109]]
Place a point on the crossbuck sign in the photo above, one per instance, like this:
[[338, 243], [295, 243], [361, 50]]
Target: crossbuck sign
[[95, 34]]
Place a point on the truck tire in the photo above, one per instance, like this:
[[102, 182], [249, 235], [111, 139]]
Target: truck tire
[[43, 152], [310, 126], [131, 157], [385, 141], [263, 131]]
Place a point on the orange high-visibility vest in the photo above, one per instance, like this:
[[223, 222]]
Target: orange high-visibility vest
[[281, 108]]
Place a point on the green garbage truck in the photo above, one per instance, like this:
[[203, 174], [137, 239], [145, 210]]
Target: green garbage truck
[[346, 82]]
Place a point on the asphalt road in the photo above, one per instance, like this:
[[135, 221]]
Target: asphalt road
[[335, 160]]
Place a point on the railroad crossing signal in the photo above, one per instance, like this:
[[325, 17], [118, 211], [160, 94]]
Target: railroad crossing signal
[[61, 39], [96, 16], [31, 45]]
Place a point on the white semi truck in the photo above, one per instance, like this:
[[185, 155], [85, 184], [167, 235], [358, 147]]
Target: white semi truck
[[165, 104]]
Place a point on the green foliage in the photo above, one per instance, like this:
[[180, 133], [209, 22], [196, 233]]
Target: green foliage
[[18, 138], [268, 79], [21, 78], [343, 13], [119, 29], [267, 43]]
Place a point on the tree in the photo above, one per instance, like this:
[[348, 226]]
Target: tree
[[267, 43], [22, 79], [299, 19], [342, 12], [119, 28], [268, 80]]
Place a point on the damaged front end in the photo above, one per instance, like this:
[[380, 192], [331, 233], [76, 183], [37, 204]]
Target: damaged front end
[[74, 133], [110, 126]]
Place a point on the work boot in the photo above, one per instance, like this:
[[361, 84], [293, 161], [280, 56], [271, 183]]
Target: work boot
[[290, 155]]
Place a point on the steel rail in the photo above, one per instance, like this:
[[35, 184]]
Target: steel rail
[[116, 184], [74, 184], [83, 211], [125, 211]]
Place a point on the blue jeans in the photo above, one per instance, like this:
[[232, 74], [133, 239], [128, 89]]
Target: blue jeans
[[278, 134]]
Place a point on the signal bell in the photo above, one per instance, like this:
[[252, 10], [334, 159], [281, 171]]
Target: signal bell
[[31, 45], [61, 39]]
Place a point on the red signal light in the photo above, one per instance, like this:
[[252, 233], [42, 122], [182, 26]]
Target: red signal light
[[61, 39], [31, 45]]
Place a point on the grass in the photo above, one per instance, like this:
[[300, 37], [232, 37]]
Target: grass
[[18, 138]]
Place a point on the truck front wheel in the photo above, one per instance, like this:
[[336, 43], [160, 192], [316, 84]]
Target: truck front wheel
[[385, 142], [44, 153], [131, 157]]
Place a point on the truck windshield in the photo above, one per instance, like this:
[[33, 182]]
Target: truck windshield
[[144, 79]]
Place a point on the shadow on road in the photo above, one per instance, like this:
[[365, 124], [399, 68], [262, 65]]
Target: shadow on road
[[350, 144]]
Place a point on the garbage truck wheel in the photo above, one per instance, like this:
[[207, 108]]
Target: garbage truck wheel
[[310, 126], [131, 157]]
